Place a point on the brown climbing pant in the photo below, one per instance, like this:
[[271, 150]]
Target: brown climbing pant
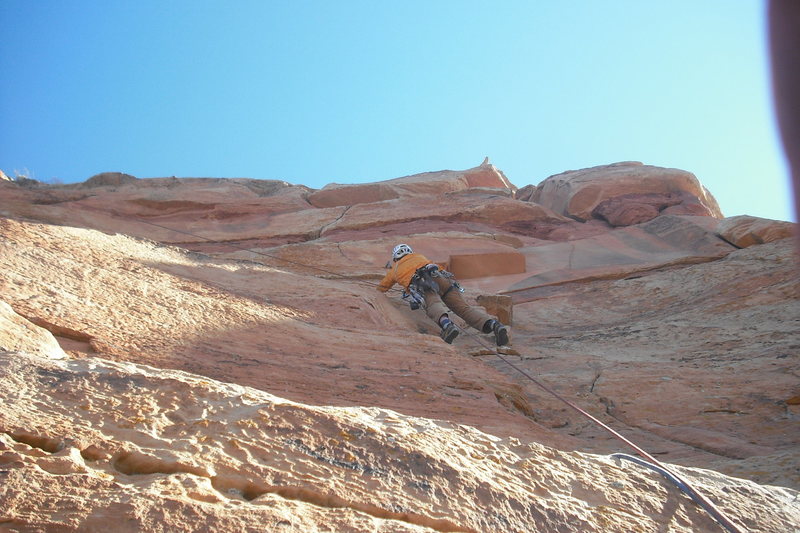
[[436, 306]]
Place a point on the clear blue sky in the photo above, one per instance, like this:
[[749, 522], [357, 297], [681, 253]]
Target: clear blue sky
[[314, 92]]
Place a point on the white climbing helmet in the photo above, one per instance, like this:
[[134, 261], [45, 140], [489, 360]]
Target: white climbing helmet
[[400, 250]]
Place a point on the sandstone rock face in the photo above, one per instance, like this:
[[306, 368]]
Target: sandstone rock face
[[180, 452], [487, 264], [744, 231], [108, 178], [709, 348], [625, 194], [499, 305], [429, 184], [631, 209], [18, 334], [526, 193], [198, 353], [665, 241]]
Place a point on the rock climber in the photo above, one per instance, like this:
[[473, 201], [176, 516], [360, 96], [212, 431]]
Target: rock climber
[[437, 292]]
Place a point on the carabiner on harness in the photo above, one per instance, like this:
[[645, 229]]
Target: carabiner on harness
[[421, 281], [453, 283]]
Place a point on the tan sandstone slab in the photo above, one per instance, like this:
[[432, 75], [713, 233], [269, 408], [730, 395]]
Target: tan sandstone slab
[[664, 241], [743, 231], [487, 264], [95, 445], [426, 184]]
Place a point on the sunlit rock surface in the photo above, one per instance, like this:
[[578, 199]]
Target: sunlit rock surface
[[743, 231], [626, 193], [200, 353]]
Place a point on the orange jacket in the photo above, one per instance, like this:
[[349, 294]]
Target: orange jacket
[[402, 271]]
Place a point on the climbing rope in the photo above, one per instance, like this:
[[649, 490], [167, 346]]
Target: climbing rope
[[651, 463]]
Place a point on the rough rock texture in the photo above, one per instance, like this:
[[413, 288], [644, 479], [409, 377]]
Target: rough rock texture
[[485, 176], [697, 361], [191, 449], [179, 354], [108, 178], [499, 305], [133, 448], [526, 193], [625, 194], [485, 264], [743, 231], [19, 334], [665, 241], [631, 209]]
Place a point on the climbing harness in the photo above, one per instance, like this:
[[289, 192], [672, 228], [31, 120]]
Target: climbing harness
[[453, 282], [414, 298], [422, 281]]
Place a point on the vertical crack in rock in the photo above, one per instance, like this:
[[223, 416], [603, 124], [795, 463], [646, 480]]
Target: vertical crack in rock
[[318, 233], [594, 381], [571, 255]]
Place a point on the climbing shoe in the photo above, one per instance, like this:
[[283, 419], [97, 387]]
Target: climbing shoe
[[500, 334], [449, 332], [500, 331]]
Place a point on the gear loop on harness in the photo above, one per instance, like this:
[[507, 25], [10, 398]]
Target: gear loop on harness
[[422, 281], [453, 283]]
